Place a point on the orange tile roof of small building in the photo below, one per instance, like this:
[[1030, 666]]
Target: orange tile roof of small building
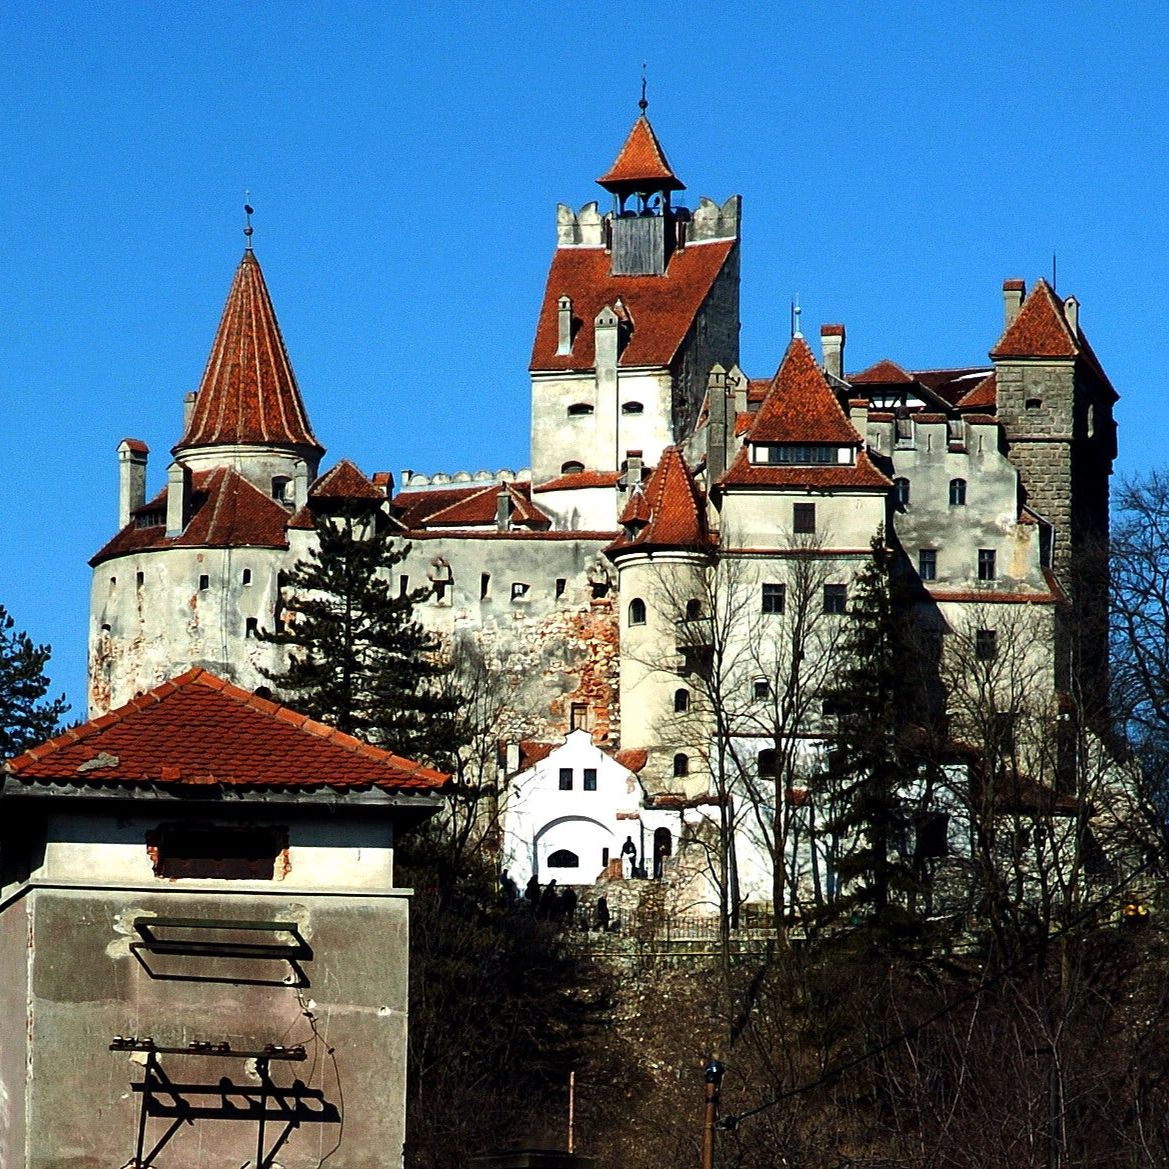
[[226, 512], [641, 164], [198, 729], [1040, 329], [463, 507], [663, 308], [883, 372], [249, 393], [677, 512], [345, 481], [578, 479], [984, 396], [861, 475], [800, 406]]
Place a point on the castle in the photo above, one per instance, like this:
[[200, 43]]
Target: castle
[[677, 512]]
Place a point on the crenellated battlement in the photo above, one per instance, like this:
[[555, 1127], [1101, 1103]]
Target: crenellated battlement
[[416, 481], [586, 228]]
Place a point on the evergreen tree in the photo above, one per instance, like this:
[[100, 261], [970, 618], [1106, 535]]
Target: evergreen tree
[[357, 657], [25, 717], [869, 771]]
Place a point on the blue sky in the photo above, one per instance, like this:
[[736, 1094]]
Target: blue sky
[[896, 162]]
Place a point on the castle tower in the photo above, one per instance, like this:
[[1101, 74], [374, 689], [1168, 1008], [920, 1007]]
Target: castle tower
[[193, 573], [1055, 403], [640, 302]]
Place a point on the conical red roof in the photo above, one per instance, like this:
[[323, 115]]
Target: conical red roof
[[249, 392], [1041, 328], [677, 514], [641, 165]]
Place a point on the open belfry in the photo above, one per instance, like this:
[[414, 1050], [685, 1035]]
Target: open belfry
[[677, 510]]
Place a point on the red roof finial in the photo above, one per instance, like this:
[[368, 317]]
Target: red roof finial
[[641, 166]]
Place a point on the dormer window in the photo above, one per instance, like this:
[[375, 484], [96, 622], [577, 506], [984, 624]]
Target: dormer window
[[802, 454], [579, 409]]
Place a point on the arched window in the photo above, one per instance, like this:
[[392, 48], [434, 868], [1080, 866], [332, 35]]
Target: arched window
[[901, 492], [572, 467], [632, 408], [760, 689], [282, 488], [579, 409], [957, 492], [563, 859], [681, 701], [765, 763], [637, 611], [693, 608], [681, 765]]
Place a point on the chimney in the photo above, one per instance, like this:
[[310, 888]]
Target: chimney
[[132, 455], [606, 339], [188, 408], [633, 467], [564, 326], [737, 380], [858, 415], [716, 427], [832, 347], [1071, 312], [176, 499], [1013, 293], [512, 757], [503, 510], [300, 485]]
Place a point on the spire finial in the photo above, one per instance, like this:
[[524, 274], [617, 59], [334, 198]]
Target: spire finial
[[795, 315], [248, 212], [643, 105]]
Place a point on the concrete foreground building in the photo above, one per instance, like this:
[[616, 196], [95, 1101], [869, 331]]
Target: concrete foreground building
[[204, 953], [677, 511]]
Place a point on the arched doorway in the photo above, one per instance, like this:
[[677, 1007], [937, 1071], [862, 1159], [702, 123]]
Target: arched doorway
[[663, 847]]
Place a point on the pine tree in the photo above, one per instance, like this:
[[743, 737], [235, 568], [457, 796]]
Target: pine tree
[[358, 659], [25, 717], [869, 770]]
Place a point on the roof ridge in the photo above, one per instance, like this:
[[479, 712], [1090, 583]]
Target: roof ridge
[[800, 406]]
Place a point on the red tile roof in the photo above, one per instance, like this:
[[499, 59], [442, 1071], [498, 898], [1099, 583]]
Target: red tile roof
[[641, 164], [532, 752], [632, 758], [249, 392], [984, 396], [226, 512], [344, 481], [637, 509], [199, 729], [863, 475], [677, 516], [885, 371], [135, 444], [663, 308], [1039, 330], [463, 507], [800, 406], [580, 479]]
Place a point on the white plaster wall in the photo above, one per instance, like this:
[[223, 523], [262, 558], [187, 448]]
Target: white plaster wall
[[589, 509], [762, 518]]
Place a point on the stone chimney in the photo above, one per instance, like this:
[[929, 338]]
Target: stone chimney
[[564, 326], [832, 347], [188, 408], [716, 427], [1071, 312], [300, 485], [1013, 293], [633, 465], [503, 510], [858, 415], [132, 455], [177, 480], [737, 381]]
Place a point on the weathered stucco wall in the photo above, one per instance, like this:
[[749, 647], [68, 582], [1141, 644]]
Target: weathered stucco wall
[[88, 987]]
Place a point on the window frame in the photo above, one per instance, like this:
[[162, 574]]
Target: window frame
[[957, 492], [835, 599], [987, 565], [565, 780], [803, 519], [927, 563], [773, 598], [635, 613]]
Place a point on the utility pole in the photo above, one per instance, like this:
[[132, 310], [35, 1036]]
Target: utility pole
[[712, 1075]]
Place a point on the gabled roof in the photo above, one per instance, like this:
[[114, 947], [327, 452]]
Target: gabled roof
[[637, 509], [1040, 329], [984, 395], [199, 729], [677, 513], [861, 475], [577, 480], [663, 308], [641, 164], [344, 482], [884, 372], [226, 512], [467, 507], [248, 393], [800, 406]]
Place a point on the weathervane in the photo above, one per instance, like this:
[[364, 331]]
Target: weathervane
[[248, 212], [643, 105]]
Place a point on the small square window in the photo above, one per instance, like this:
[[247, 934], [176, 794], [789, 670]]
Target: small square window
[[139, 579], [566, 779], [251, 624], [774, 596], [986, 564], [985, 644], [246, 576], [760, 689], [835, 598], [561, 585], [590, 779], [927, 563], [518, 589], [204, 583], [804, 519]]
